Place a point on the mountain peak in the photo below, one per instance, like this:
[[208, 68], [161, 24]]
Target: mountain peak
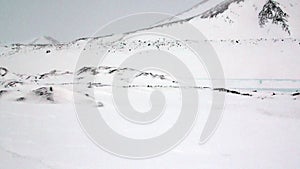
[[44, 40]]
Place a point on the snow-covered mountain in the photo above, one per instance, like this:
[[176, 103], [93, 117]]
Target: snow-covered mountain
[[245, 49], [238, 19], [44, 40], [231, 27]]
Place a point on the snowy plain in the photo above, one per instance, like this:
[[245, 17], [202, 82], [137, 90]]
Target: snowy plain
[[259, 127]]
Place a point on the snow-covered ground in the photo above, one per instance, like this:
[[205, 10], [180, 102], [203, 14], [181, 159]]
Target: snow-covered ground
[[259, 127], [253, 133]]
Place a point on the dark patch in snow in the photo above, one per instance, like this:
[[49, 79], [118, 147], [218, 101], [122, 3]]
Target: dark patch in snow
[[112, 71], [3, 71], [99, 104], [93, 70], [220, 8], [2, 92], [20, 99], [232, 91], [296, 94], [12, 83], [53, 73], [162, 77], [45, 93]]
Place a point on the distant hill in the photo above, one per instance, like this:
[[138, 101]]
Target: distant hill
[[44, 40]]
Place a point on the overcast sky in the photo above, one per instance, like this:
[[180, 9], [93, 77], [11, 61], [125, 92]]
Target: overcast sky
[[66, 20]]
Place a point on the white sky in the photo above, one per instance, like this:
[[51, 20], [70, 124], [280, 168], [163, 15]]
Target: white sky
[[66, 20]]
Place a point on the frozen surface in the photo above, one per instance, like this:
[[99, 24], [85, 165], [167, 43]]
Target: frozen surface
[[261, 119], [253, 133]]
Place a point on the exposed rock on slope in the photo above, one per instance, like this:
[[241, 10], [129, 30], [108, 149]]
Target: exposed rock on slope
[[272, 12]]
